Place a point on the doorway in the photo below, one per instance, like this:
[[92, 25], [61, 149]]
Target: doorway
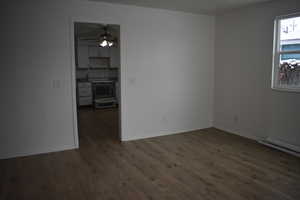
[[97, 81]]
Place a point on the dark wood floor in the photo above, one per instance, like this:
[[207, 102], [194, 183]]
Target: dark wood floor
[[208, 164]]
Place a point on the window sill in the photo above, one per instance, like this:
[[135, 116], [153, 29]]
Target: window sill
[[285, 89]]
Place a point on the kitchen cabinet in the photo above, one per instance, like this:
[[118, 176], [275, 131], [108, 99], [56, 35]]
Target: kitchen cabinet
[[85, 95], [90, 55], [99, 62], [114, 54], [93, 51], [96, 51], [117, 88], [104, 52], [85, 101], [82, 56], [98, 57]]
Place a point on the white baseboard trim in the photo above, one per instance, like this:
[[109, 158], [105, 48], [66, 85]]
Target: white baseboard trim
[[264, 142], [279, 145], [35, 152], [242, 134], [161, 133], [283, 144]]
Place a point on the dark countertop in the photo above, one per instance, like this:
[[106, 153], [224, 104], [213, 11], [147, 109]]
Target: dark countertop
[[95, 79]]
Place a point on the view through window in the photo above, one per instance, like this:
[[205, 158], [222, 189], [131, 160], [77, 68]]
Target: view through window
[[286, 69]]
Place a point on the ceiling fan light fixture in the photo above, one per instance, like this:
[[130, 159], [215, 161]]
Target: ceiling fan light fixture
[[110, 43], [106, 39], [103, 43]]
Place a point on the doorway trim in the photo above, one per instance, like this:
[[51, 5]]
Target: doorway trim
[[72, 22]]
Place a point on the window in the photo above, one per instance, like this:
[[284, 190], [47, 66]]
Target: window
[[286, 55]]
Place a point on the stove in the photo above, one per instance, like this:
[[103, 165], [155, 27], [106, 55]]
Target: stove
[[104, 93]]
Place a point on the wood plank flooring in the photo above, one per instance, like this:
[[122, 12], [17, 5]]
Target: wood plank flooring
[[207, 164]]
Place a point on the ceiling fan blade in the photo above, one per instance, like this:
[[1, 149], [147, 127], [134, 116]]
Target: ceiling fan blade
[[88, 38]]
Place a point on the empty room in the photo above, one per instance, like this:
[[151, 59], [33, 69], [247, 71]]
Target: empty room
[[150, 100]]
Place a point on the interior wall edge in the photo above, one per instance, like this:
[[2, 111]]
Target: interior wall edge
[[37, 152]]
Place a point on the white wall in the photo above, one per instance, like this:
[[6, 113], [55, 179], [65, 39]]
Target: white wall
[[244, 102], [167, 63]]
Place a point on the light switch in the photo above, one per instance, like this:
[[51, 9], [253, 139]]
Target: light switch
[[132, 81], [56, 84]]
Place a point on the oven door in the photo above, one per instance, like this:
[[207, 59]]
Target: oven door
[[104, 90]]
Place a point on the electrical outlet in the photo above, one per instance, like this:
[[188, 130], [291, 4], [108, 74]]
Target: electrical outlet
[[56, 84], [132, 80], [236, 119], [164, 120]]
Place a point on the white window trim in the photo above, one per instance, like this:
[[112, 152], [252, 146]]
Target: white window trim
[[277, 53]]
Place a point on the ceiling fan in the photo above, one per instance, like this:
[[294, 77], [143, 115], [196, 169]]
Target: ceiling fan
[[104, 38]]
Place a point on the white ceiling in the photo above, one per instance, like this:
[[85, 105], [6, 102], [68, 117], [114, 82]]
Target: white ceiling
[[192, 6], [90, 31]]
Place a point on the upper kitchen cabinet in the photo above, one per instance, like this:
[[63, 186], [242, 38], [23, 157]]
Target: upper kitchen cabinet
[[96, 51], [82, 56], [93, 51], [92, 56], [103, 52], [98, 57], [114, 57]]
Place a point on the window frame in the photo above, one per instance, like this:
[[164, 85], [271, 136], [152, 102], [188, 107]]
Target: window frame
[[277, 53]]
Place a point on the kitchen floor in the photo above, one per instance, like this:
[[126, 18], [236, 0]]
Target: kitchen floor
[[101, 122]]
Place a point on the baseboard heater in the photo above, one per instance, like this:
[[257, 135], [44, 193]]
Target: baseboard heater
[[282, 146]]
